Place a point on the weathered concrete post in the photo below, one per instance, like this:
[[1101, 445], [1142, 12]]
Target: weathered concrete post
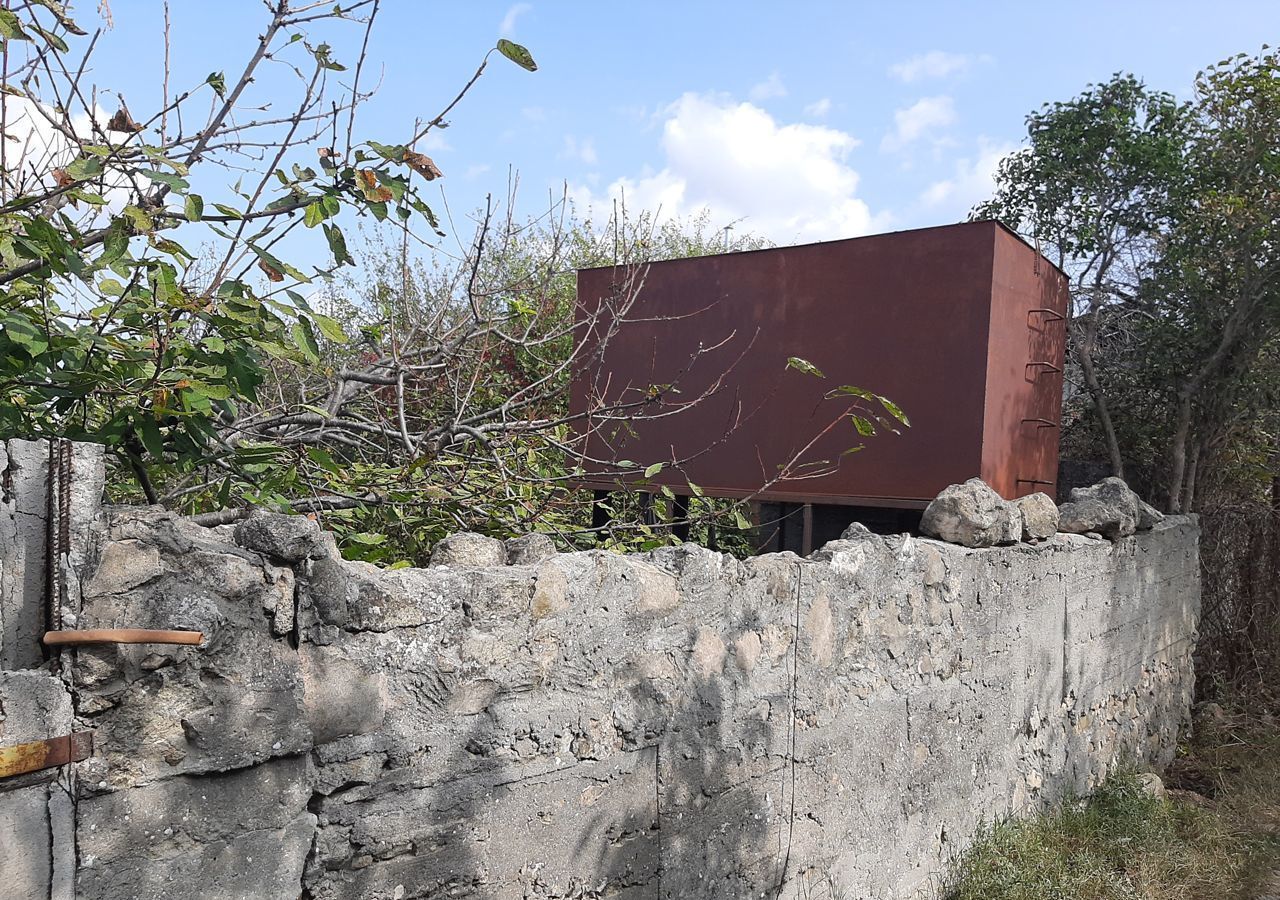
[[37, 821], [24, 532]]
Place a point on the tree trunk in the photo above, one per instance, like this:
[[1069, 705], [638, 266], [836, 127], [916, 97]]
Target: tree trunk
[[1178, 454], [1084, 353]]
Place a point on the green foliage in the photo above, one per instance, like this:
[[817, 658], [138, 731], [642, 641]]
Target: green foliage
[[1164, 215], [113, 330]]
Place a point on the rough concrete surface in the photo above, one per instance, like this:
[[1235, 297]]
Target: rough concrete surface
[[676, 724]]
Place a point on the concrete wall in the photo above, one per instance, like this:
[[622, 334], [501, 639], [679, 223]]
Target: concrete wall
[[676, 724]]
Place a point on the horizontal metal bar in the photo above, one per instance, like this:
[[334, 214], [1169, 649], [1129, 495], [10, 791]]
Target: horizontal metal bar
[[36, 755], [121, 636], [1041, 423], [1034, 481], [1044, 365]]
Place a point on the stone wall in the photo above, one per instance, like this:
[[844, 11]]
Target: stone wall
[[525, 724]]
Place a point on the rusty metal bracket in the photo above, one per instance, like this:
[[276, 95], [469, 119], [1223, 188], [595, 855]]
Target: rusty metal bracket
[[36, 755], [1051, 314], [1041, 423], [1034, 481], [121, 636], [1043, 364]]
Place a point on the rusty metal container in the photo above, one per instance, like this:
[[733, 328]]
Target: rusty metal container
[[962, 326]]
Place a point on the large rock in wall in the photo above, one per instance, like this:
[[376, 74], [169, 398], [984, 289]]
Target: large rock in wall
[[670, 725]]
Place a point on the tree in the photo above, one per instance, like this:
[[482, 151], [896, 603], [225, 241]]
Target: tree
[[114, 330], [1216, 292], [405, 403], [1165, 215], [1097, 187]]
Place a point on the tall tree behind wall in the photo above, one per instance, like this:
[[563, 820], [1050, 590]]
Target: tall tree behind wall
[[1165, 215]]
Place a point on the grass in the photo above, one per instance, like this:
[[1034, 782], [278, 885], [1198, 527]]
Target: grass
[[1215, 837]]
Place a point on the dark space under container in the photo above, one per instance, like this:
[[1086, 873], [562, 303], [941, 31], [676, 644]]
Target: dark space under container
[[962, 326]]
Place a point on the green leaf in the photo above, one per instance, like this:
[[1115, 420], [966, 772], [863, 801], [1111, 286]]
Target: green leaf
[[803, 365], [305, 339], [330, 328], [393, 152], [894, 409], [193, 207], [11, 27], [653, 470], [110, 287], [152, 439], [228, 211], [517, 54], [50, 38], [24, 334], [313, 215], [116, 243], [164, 284], [138, 218], [338, 245], [864, 426], [84, 167], [321, 458], [173, 182]]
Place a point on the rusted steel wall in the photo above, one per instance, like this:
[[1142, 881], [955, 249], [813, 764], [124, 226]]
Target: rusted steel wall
[[938, 319], [1024, 371]]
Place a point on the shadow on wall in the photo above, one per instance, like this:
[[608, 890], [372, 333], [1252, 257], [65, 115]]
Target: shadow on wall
[[720, 787]]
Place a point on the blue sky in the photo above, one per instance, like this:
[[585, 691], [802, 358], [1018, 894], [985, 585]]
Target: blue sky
[[801, 121]]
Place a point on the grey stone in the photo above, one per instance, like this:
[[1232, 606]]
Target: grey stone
[[225, 837], [469, 549], [286, 538], [530, 549], [1109, 508], [1152, 785], [1209, 717], [124, 565], [26, 846], [1039, 516], [33, 705], [972, 515], [340, 698]]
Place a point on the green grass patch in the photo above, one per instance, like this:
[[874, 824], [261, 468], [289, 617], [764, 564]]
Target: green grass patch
[[1218, 842]]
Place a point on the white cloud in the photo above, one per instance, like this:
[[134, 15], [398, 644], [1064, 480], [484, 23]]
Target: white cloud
[[973, 181], [788, 182], [916, 121], [534, 113], [584, 150], [35, 147], [934, 64], [768, 89], [818, 108], [508, 26]]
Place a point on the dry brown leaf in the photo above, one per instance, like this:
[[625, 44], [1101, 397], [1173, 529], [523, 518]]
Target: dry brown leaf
[[62, 179], [423, 165], [273, 274], [122, 121]]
